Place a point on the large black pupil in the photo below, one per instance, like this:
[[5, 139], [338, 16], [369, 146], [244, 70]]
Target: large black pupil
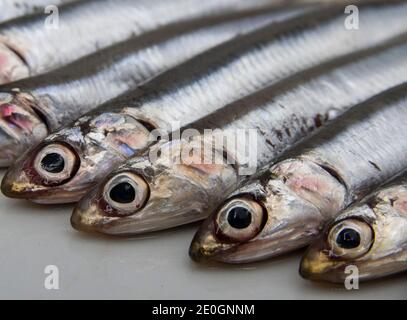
[[348, 239], [53, 163], [123, 193], [239, 218]]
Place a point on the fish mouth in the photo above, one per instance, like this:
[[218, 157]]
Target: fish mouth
[[205, 253], [316, 265], [83, 222], [86, 216], [20, 126], [93, 214], [206, 248], [109, 209], [18, 184], [199, 253], [13, 66]]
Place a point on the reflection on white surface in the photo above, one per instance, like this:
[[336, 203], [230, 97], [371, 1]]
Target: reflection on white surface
[[156, 266]]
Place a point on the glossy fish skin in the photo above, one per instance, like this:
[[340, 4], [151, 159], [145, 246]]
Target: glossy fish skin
[[181, 94], [119, 129], [31, 45], [308, 187], [382, 228], [10, 9], [60, 96], [283, 114]]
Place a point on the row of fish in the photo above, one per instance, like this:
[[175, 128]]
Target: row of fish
[[126, 132]]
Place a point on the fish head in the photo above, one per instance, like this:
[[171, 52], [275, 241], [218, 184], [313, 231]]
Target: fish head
[[279, 213], [154, 192], [69, 162], [21, 125], [368, 240], [13, 66]]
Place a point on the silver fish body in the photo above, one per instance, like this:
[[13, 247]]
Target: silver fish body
[[257, 129], [370, 237], [310, 185], [120, 129], [61, 96], [10, 9], [34, 44]]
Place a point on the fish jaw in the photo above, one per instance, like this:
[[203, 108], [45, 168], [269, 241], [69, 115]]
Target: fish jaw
[[86, 216], [386, 214], [296, 209], [12, 64], [205, 246], [317, 266], [178, 194], [20, 125], [96, 144]]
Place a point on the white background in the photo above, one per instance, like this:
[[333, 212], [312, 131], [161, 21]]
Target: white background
[[152, 267]]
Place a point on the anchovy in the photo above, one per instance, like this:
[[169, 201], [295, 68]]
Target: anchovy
[[69, 162], [370, 236], [32, 108], [10, 9], [288, 208], [176, 193], [36, 44]]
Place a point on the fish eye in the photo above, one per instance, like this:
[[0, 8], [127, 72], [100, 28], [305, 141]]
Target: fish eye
[[350, 239], [126, 192], [56, 163], [240, 220], [53, 163], [123, 193]]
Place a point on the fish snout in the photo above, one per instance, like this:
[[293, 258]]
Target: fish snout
[[12, 65], [317, 265], [202, 252], [92, 214], [197, 252], [7, 187], [81, 222], [16, 184], [86, 217], [206, 247]]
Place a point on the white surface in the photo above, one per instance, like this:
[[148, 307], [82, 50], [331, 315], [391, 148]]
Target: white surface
[[152, 267]]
